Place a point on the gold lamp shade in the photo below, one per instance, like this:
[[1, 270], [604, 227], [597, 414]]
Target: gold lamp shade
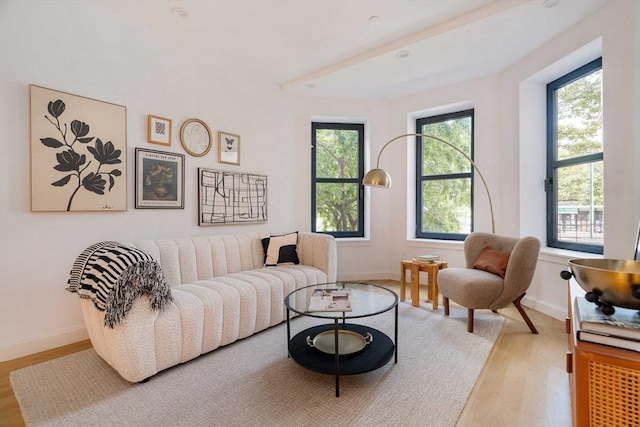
[[377, 178]]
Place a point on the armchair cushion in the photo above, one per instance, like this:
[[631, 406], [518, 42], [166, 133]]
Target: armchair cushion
[[492, 261], [471, 288]]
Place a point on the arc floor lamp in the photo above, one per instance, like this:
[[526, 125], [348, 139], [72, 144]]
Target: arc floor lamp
[[380, 178]]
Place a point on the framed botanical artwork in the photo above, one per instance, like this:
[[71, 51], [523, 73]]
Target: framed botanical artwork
[[195, 137], [231, 197], [159, 180], [228, 148], [78, 152], [158, 130]]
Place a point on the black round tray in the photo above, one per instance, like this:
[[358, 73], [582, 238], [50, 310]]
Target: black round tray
[[372, 357]]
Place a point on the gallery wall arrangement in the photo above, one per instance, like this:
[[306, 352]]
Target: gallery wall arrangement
[[78, 152], [79, 163]]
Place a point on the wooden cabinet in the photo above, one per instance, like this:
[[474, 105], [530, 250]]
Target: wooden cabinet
[[605, 381]]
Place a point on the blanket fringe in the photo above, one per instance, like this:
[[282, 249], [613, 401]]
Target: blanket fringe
[[142, 279]]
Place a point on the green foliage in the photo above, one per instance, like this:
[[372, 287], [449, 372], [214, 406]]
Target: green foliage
[[574, 185], [337, 207], [580, 117], [336, 157], [446, 202], [336, 153], [579, 134], [439, 158], [446, 206]]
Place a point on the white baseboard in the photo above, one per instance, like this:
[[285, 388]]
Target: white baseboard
[[36, 345], [354, 277], [544, 307]]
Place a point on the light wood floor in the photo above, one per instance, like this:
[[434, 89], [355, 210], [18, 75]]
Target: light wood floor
[[523, 384]]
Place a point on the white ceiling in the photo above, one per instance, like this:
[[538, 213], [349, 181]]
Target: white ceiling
[[335, 48]]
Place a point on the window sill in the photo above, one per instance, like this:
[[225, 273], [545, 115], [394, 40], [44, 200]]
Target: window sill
[[561, 256]]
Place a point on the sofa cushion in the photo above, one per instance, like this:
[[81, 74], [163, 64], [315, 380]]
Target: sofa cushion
[[280, 249]]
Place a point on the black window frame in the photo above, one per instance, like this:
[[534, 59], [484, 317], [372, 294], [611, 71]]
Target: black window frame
[[420, 178], [359, 127], [553, 165]]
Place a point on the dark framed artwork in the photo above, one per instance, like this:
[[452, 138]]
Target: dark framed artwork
[[228, 148], [159, 180], [78, 152], [231, 197], [158, 130]]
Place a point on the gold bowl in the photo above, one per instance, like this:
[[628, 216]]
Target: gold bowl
[[613, 281]]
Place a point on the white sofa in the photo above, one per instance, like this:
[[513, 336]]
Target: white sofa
[[221, 293]]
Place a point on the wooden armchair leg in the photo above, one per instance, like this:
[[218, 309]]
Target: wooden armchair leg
[[524, 314], [470, 320], [445, 303]]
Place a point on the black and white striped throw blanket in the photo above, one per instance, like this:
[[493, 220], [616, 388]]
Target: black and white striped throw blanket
[[113, 275]]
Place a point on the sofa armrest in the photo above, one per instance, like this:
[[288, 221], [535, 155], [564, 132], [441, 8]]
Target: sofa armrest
[[320, 251]]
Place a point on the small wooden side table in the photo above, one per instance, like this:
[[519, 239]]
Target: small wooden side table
[[432, 280]]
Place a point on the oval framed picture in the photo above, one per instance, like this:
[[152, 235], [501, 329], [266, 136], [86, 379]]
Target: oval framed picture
[[195, 137]]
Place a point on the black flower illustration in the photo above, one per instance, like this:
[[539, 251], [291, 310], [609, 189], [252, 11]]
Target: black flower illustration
[[56, 108], [105, 153], [70, 160], [80, 129], [94, 183]]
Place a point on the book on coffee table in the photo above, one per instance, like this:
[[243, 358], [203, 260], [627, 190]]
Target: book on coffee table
[[330, 300]]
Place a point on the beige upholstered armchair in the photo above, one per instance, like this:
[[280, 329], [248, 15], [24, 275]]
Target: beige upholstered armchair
[[498, 272]]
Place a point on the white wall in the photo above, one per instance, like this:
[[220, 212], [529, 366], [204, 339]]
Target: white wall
[[82, 49]]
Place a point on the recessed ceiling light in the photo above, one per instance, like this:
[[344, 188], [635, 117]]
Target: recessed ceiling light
[[180, 12], [402, 54], [550, 3]]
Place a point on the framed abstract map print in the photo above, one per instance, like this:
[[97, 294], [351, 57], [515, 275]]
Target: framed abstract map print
[[231, 197]]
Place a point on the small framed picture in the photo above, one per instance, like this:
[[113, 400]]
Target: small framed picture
[[228, 148], [159, 180], [195, 137], [158, 130]]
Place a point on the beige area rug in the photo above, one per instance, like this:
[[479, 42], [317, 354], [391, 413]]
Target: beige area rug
[[253, 383]]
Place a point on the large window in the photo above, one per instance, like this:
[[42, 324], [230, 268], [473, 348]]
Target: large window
[[444, 177], [575, 210], [337, 194]]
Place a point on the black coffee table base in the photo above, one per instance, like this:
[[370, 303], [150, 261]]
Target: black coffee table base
[[373, 356]]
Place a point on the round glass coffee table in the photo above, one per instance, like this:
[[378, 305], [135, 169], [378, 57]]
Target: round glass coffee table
[[341, 347]]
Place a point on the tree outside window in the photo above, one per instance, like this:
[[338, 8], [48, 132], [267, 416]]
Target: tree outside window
[[444, 178], [575, 203], [337, 172]]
